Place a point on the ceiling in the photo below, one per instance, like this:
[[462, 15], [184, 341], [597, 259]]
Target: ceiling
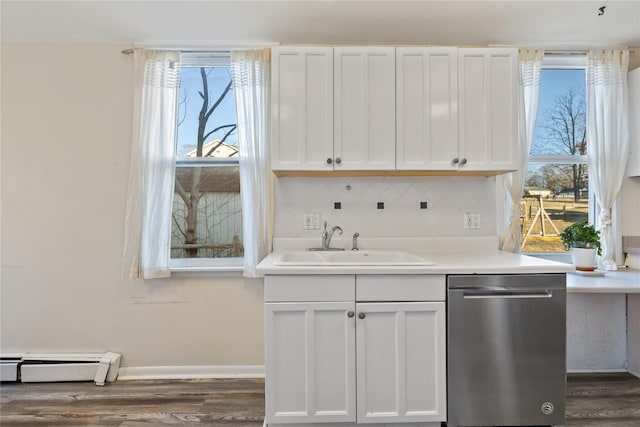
[[551, 24]]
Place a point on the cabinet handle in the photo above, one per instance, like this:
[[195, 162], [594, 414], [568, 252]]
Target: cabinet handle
[[463, 161], [338, 160], [455, 161], [350, 313], [329, 161], [361, 315]]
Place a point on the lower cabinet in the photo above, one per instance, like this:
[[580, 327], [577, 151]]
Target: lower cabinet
[[401, 362], [350, 361], [310, 362]]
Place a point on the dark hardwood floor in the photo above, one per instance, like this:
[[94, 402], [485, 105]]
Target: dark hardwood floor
[[223, 403], [603, 400], [593, 400]]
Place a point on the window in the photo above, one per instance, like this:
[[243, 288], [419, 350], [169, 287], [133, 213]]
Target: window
[[556, 192], [207, 213]]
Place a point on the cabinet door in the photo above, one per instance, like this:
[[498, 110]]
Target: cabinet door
[[426, 108], [310, 362], [633, 167], [488, 108], [364, 108], [401, 362], [302, 108]]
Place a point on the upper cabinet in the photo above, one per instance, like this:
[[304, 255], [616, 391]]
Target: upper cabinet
[[302, 108], [424, 109], [633, 167], [364, 108], [488, 109], [333, 109]]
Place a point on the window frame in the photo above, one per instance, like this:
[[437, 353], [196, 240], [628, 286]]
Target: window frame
[[232, 266], [577, 61]]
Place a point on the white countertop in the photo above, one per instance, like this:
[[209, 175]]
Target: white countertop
[[449, 255], [620, 281]]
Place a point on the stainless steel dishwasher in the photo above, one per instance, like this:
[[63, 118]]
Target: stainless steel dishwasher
[[506, 362]]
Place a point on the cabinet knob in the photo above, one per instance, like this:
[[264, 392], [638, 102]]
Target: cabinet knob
[[463, 161], [338, 160], [455, 161], [350, 314], [362, 315], [329, 161]]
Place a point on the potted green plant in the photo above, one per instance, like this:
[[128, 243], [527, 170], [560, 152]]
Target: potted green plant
[[583, 240]]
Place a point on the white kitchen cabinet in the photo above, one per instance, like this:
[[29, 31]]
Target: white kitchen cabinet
[[364, 108], [633, 165], [401, 362], [426, 108], [310, 362], [309, 349], [312, 372], [457, 109], [302, 108], [333, 109], [402, 109], [487, 109]]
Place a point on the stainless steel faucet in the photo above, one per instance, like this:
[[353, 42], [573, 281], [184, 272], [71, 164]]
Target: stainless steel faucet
[[327, 235], [354, 246]]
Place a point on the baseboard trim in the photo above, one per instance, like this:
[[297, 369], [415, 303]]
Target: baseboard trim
[[634, 373], [596, 371], [190, 372]]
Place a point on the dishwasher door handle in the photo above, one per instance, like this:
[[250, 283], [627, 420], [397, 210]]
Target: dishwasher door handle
[[506, 294]]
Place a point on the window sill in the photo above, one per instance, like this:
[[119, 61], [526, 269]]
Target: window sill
[[208, 271], [227, 267]]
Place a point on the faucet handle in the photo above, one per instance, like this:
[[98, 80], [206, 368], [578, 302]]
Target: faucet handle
[[355, 242]]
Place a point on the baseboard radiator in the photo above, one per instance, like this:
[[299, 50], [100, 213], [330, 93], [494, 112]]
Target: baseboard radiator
[[28, 367]]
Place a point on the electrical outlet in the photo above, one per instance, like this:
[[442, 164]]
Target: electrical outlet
[[472, 221], [311, 221]]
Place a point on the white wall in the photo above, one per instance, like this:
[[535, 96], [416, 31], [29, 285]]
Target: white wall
[[66, 124], [596, 332], [629, 199]]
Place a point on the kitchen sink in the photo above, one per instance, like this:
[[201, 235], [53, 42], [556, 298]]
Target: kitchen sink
[[330, 258]]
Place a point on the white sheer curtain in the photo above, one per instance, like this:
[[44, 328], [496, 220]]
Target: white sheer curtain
[[529, 61], [607, 136], [152, 170], [251, 81]]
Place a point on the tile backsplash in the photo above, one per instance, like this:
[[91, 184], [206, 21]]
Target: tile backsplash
[[386, 206]]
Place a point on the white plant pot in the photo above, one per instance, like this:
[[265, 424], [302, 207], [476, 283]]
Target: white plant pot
[[584, 259]]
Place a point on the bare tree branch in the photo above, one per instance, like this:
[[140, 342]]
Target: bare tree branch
[[177, 224], [219, 128], [184, 101], [182, 193], [190, 225], [219, 100], [565, 134]]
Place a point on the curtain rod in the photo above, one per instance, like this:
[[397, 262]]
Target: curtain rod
[[569, 52], [546, 52], [205, 48], [130, 50], [565, 52], [221, 51]]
